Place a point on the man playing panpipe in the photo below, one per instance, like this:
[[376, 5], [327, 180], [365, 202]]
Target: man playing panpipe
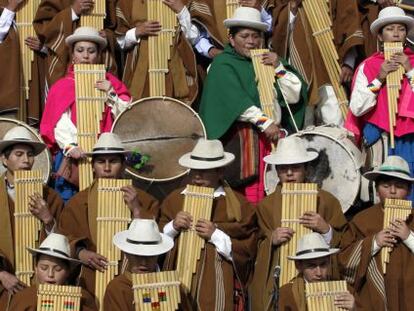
[[54, 265], [18, 151], [312, 260], [369, 115], [291, 159], [77, 221], [367, 235], [230, 235], [58, 125], [230, 104]]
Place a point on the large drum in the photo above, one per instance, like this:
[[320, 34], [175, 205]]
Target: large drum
[[43, 161], [162, 128], [337, 168]]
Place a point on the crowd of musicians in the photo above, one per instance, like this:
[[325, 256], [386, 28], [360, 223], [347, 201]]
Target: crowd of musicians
[[254, 73]]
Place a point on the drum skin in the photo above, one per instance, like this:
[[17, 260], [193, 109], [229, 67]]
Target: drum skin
[[43, 161], [163, 128]]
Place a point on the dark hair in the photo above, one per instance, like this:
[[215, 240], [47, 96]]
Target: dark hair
[[234, 30], [384, 178], [120, 155], [61, 261], [382, 28]]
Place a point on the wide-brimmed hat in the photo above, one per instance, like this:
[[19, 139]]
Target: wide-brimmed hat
[[391, 15], [143, 239], [55, 245], [21, 135], [207, 154], [393, 166], [108, 143], [290, 150], [246, 17], [86, 34], [312, 246]]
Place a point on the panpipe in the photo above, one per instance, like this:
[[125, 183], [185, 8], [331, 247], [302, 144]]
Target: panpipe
[[297, 198], [393, 82], [24, 18], [96, 17], [231, 6], [52, 297], [113, 215], [198, 202], [320, 296], [317, 12], [393, 209], [90, 104], [156, 291], [27, 226], [159, 47]]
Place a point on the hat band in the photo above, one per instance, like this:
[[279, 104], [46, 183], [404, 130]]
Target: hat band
[[144, 243], [313, 250], [53, 250], [108, 149], [207, 159], [393, 169]]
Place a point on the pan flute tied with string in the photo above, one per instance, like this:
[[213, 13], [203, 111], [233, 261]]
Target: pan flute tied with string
[[156, 291], [95, 18], [113, 215], [297, 198], [231, 6], [393, 83], [317, 12], [90, 105], [320, 296], [52, 297], [393, 209], [27, 226], [198, 202]]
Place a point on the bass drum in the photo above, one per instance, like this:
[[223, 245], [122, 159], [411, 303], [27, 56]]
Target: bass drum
[[337, 168], [43, 161], [162, 128]]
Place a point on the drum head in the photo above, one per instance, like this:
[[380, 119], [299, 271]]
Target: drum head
[[162, 128], [43, 161]]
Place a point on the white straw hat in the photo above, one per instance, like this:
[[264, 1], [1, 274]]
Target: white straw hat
[[143, 238], [246, 17], [290, 150], [21, 135], [391, 15], [207, 154], [393, 166], [312, 246], [108, 143], [86, 34]]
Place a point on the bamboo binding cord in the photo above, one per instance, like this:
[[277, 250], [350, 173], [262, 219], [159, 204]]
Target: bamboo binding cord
[[95, 18], [156, 291], [90, 104], [27, 226], [317, 12], [198, 201], [297, 198], [113, 215], [393, 82], [393, 209], [320, 296], [52, 297]]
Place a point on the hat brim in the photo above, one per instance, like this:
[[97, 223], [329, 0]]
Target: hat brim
[[277, 159], [187, 162], [120, 240], [373, 175], [72, 39], [231, 22], [314, 255], [379, 23], [35, 251], [38, 147], [101, 152]]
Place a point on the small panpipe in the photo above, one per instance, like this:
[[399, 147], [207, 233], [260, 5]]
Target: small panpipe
[[27, 226], [90, 104], [156, 291], [231, 6], [393, 209], [320, 296], [52, 297], [198, 202], [95, 18], [393, 82], [297, 198]]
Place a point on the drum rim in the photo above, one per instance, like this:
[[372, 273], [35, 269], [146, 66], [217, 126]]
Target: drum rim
[[163, 98]]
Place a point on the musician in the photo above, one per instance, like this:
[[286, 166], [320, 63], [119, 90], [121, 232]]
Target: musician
[[108, 161], [291, 160], [312, 260], [368, 117], [293, 39], [362, 242], [226, 261], [230, 106], [58, 125], [53, 266], [18, 150]]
